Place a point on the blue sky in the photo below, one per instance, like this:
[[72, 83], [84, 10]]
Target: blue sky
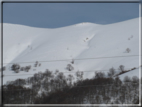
[[54, 15]]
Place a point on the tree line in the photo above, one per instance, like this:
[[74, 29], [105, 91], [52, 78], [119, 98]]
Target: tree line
[[56, 88]]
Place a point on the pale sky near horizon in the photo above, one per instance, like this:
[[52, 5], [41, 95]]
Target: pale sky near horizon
[[54, 15]]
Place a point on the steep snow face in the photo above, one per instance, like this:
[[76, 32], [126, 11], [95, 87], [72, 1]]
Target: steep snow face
[[112, 40], [55, 48]]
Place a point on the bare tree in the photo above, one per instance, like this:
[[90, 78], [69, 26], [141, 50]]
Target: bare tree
[[135, 79], [111, 72], [22, 68], [36, 63], [79, 75], [57, 71], [48, 73], [70, 67], [15, 67], [27, 68], [121, 68], [99, 74], [127, 79], [70, 78]]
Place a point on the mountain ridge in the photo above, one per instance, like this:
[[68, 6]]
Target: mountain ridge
[[29, 44]]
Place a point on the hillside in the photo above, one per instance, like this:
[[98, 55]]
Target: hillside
[[87, 43]]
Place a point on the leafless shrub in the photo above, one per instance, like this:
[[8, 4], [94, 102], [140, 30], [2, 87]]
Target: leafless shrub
[[36, 63], [39, 64], [72, 61], [128, 50]]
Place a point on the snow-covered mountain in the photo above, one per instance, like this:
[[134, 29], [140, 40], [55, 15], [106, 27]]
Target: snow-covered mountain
[[89, 43]]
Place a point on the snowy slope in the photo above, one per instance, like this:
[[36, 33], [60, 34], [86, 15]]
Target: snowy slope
[[84, 40]]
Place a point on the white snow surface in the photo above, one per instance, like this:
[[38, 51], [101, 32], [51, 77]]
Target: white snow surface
[[84, 40]]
